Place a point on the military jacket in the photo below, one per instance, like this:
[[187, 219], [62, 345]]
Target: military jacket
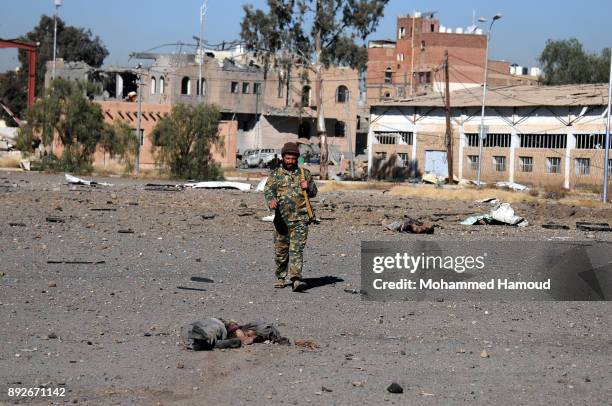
[[284, 187]]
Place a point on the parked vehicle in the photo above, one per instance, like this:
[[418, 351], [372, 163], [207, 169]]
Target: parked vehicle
[[258, 157]]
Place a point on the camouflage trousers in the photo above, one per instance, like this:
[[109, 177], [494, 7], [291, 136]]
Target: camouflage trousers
[[289, 250]]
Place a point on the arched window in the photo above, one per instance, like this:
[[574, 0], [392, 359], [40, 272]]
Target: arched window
[[388, 75], [153, 85], [339, 129], [342, 94], [306, 96], [162, 85], [186, 86], [202, 87]]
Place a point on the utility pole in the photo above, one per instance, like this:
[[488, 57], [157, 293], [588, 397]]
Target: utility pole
[[58, 4], [449, 130], [321, 131], [412, 32], [606, 164], [138, 122], [347, 130]]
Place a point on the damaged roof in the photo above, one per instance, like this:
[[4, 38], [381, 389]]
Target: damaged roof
[[513, 96]]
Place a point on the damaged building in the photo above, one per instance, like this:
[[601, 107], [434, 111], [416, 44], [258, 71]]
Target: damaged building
[[265, 111], [548, 135]]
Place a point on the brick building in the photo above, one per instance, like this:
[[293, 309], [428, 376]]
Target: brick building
[[411, 63], [536, 135]]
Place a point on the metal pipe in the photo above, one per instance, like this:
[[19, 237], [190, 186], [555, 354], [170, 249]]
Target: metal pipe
[[606, 164]]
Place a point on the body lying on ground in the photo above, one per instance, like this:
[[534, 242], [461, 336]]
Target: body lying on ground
[[217, 333]]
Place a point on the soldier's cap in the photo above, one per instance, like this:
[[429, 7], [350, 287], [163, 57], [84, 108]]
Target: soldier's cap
[[290, 148]]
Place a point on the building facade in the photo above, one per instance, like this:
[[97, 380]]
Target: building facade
[[411, 64], [535, 135]]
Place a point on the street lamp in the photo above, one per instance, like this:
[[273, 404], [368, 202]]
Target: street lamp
[[483, 132], [58, 4], [203, 10]]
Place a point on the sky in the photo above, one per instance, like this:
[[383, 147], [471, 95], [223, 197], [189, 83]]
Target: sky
[[138, 25]]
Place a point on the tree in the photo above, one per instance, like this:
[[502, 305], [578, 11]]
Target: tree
[[183, 141], [65, 113], [566, 62], [73, 44], [320, 32], [13, 93]]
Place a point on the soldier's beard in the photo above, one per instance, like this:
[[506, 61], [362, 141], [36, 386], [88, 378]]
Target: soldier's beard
[[289, 167]]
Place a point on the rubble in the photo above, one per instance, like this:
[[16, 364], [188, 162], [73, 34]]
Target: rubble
[[244, 187], [73, 180], [501, 214], [585, 226], [395, 388], [513, 186]]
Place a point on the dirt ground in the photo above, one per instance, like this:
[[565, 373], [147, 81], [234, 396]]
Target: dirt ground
[[106, 331]]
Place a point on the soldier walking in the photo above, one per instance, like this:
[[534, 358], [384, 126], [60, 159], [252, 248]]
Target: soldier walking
[[284, 194]]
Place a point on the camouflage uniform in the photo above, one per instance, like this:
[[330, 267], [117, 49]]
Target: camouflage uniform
[[284, 187]]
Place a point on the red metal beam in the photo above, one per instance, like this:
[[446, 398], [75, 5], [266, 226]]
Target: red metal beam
[[30, 49]]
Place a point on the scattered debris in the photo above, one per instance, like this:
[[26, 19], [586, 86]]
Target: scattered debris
[[53, 219], [585, 226], [491, 200], [245, 187], [76, 262], [395, 388], [357, 384], [163, 187], [126, 231], [484, 354], [262, 184], [433, 179], [353, 291], [269, 219], [311, 344], [409, 225], [73, 180], [201, 279], [17, 224], [512, 186], [188, 288], [52, 284], [208, 216], [503, 213], [245, 213], [103, 209], [553, 226]]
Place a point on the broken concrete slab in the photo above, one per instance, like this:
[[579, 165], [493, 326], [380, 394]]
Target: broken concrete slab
[[555, 227], [73, 180], [245, 187]]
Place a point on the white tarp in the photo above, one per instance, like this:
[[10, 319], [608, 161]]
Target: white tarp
[[504, 213], [512, 185], [73, 180], [262, 184], [245, 187]]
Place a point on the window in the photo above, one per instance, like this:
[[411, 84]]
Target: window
[[257, 88], [499, 163], [393, 137], [381, 155], [473, 162], [186, 86], [339, 129], [387, 95], [246, 87], [433, 28], [548, 141], [234, 87], [342, 94], [153, 85], [162, 85], [404, 157], [553, 165], [388, 76], [400, 58], [402, 33], [422, 45], [492, 140], [141, 138], [304, 130], [582, 166], [201, 87], [306, 96], [526, 164], [591, 141]]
